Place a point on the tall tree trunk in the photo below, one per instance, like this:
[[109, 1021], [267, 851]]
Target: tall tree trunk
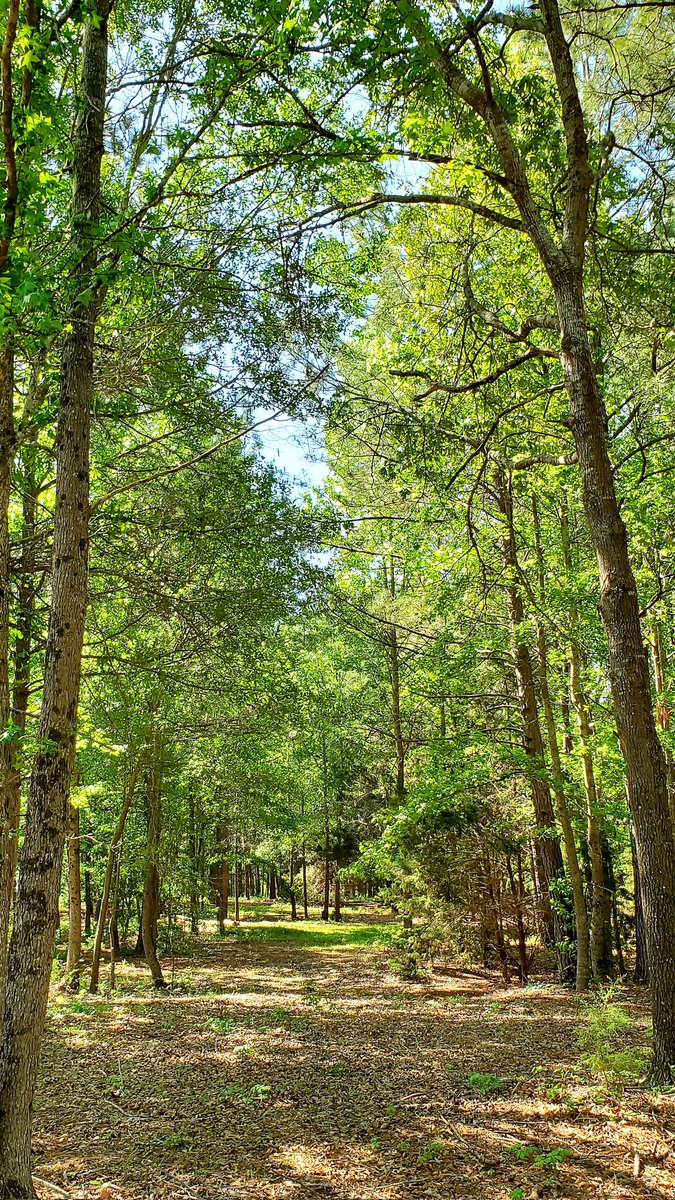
[[25, 608], [563, 262], [237, 880], [114, 940], [36, 906], [194, 866], [88, 904], [641, 961], [151, 883], [74, 955], [601, 899], [9, 813], [9, 809], [583, 969], [395, 681], [629, 674], [291, 880], [114, 852], [305, 901], [548, 855], [619, 604], [602, 959], [660, 663]]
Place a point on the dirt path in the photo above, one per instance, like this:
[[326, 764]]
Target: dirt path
[[282, 1071]]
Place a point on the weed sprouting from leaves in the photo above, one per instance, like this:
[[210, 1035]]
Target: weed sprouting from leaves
[[600, 1039], [487, 1085]]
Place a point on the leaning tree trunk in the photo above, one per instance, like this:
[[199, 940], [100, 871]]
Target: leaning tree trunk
[[36, 905]]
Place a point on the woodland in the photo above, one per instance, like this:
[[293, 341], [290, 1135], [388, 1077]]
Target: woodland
[[337, 818]]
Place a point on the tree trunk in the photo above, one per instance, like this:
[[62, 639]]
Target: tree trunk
[[628, 671], [237, 883], [113, 852], [112, 927], [395, 680], [660, 662], [583, 969], [194, 867], [291, 879], [150, 911], [305, 905], [601, 900], [36, 906], [337, 910], [619, 603], [519, 900], [641, 963], [9, 811], [548, 855], [74, 956], [88, 904]]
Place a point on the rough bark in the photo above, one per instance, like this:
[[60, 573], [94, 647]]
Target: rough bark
[[563, 261], [36, 905], [9, 809]]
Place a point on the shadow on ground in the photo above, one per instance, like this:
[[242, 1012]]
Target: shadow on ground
[[297, 1066]]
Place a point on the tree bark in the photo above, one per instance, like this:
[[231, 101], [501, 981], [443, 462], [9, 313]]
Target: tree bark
[[151, 883], [9, 809], [305, 902], [563, 262], [646, 771], [74, 955], [113, 854], [548, 855], [88, 904], [36, 905], [291, 883], [194, 866], [395, 681], [583, 968]]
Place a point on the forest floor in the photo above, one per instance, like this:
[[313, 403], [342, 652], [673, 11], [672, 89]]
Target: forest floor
[[288, 1062]]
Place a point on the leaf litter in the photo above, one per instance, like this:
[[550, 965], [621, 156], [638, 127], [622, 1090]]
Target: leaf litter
[[300, 1067]]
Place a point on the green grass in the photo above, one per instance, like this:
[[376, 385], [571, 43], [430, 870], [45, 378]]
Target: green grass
[[313, 934]]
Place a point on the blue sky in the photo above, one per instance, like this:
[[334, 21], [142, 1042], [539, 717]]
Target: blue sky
[[295, 447]]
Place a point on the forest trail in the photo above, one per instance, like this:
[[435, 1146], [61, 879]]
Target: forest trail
[[288, 1062]]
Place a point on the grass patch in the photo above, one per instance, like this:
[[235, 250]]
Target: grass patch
[[313, 934]]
